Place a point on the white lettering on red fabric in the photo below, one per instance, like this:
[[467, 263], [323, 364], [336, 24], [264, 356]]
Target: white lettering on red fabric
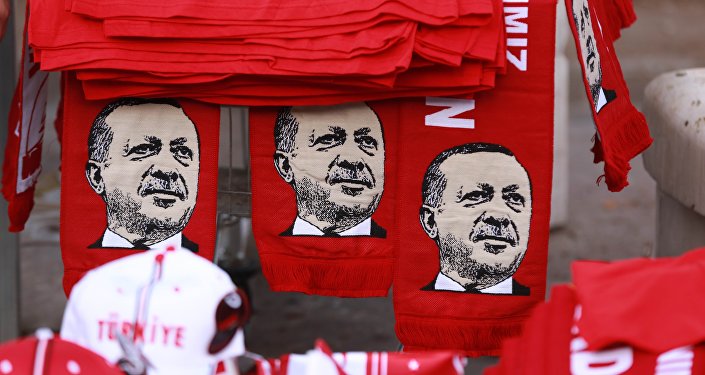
[[446, 117], [517, 31]]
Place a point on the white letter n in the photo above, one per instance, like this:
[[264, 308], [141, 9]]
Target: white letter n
[[445, 117]]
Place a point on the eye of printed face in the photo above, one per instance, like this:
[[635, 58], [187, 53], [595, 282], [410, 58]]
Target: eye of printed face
[[151, 146], [366, 142], [483, 193], [513, 199], [182, 153], [334, 137]]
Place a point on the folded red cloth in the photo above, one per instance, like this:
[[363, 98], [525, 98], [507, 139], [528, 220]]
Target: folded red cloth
[[562, 349], [633, 302]]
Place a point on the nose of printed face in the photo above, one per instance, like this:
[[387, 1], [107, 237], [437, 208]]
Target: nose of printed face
[[165, 161], [499, 220]]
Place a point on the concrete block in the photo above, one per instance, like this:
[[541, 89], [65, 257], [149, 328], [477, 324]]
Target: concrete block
[[675, 110]]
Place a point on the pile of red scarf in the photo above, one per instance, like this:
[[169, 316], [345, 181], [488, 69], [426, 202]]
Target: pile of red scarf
[[276, 52], [635, 316]]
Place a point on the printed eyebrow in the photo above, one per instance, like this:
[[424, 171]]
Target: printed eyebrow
[[337, 131], [178, 141], [150, 139], [487, 190], [510, 189], [362, 131]]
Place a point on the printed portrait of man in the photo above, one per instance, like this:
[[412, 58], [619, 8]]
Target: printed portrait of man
[[143, 161], [477, 209], [333, 158], [591, 55]]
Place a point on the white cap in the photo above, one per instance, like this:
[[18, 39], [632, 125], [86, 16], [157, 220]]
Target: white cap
[[168, 298]]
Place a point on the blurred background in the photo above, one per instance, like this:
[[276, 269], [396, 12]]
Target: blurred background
[[590, 222]]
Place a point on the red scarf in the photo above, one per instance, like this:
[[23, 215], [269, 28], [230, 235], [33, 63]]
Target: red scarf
[[474, 187], [387, 52], [614, 313], [25, 132], [551, 343], [621, 129], [323, 197], [156, 166]]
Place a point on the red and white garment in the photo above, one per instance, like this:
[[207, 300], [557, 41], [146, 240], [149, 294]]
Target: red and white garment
[[25, 132], [169, 310]]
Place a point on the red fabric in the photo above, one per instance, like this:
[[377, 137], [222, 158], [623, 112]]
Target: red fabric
[[278, 11], [435, 80], [621, 128], [473, 13], [373, 55], [517, 114], [357, 266], [633, 302], [25, 130], [58, 357], [82, 41], [448, 44], [561, 348], [83, 213], [561, 310]]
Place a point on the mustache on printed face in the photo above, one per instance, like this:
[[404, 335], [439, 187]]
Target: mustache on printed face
[[161, 182], [488, 227], [350, 173]]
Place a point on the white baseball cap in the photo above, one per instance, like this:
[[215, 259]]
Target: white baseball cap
[[181, 311]]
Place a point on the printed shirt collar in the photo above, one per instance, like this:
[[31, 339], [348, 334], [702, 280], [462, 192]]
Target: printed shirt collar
[[112, 239], [303, 227], [444, 282], [601, 100]]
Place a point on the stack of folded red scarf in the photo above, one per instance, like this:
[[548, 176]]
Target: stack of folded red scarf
[[275, 52], [639, 316]]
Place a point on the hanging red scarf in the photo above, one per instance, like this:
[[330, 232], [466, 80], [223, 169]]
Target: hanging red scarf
[[136, 174], [621, 129], [474, 188], [323, 196], [25, 132]]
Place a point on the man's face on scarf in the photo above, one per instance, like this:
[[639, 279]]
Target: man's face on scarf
[[588, 48], [483, 218], [337, 164], [151, 171]]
